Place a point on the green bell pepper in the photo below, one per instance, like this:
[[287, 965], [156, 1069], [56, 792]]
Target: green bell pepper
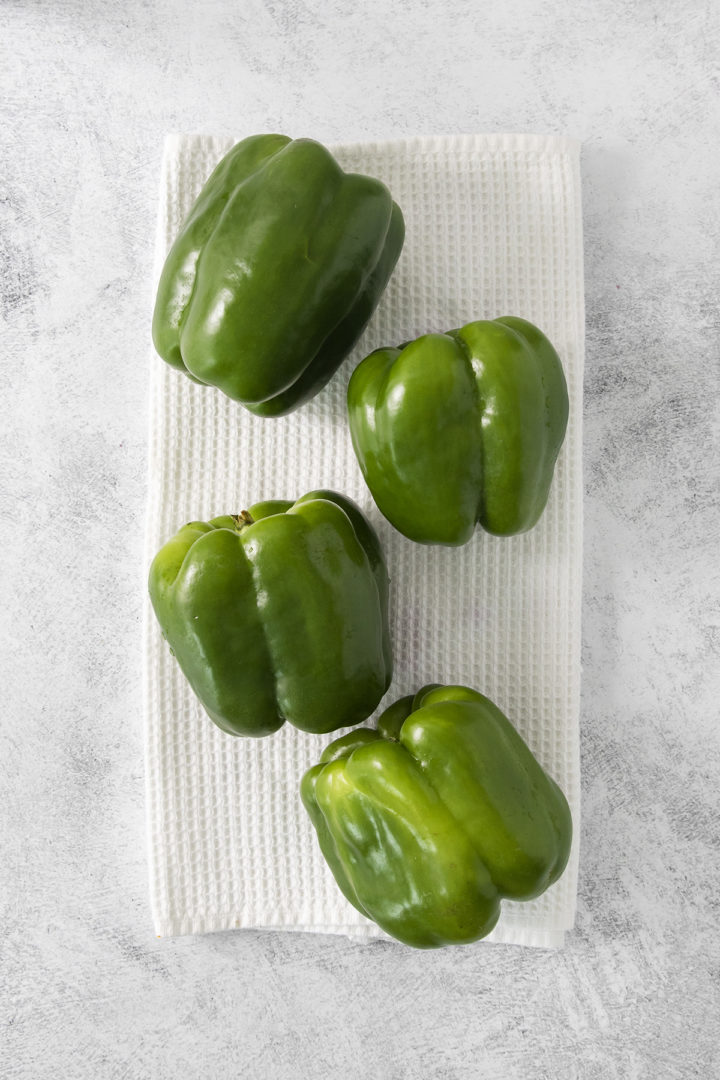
[[275, 273], [428, 822], [459, 428], [279, 613]]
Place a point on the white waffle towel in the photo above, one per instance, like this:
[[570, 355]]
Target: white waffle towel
[[493, 228]]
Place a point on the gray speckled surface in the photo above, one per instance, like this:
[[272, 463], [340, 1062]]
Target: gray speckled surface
[[88, 90]]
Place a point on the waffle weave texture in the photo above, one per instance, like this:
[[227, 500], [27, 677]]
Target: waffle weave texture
[[493, 228]]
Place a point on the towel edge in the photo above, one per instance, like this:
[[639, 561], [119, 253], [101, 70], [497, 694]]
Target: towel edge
[[470, 141]]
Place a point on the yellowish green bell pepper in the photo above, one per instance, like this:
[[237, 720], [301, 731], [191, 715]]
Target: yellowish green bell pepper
[[275, 273], [428, 822], [456, 429], [278, 613]]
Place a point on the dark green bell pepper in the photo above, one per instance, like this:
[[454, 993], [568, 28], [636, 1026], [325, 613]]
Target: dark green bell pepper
[[279, 613], [428, 822], [275, 273], [459, 428]]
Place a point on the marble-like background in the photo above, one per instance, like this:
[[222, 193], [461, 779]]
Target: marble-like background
[[88, 88]]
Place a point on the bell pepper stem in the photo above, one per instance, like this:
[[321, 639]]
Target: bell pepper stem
[[242, 520]]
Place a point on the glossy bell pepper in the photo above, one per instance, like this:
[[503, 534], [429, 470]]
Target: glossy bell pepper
[[429, 821], [278, 613], [275, 273], [461, 428]]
